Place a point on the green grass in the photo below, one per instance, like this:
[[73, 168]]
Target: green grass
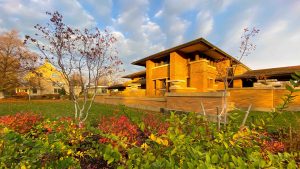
[[57, 109], [284, 120]]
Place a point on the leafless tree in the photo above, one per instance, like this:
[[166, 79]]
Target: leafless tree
[[88, 54], [227, 73]]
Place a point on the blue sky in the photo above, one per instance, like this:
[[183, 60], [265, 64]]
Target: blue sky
[[145, 27]]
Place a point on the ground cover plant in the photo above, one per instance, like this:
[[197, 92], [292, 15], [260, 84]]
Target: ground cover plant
[[54, 109], [126, 141]]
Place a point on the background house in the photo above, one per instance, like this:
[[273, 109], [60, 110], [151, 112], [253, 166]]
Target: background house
[[45, 79]]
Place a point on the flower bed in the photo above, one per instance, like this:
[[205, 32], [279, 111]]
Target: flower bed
[[182, 141]]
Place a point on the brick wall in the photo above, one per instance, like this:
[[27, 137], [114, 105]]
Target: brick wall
[[146, 103], [264, 99], [190, 102]]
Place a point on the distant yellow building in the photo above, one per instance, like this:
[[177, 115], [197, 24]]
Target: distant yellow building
[[46, 79]]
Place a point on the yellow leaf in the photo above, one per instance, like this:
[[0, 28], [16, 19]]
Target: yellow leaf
[[165, 142], [152, 137], [144, 146], [69, 152]]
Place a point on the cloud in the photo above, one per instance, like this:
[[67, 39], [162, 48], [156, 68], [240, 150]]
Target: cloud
[[205, 23], [144, 28], [23, 15], [139, 36]]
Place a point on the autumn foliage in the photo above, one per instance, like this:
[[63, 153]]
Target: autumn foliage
[[20, 122]]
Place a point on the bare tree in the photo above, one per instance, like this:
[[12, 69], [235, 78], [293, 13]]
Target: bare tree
[[15, 60], [227, 73], [90, 54]]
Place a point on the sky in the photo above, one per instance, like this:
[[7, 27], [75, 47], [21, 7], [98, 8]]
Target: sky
[[145, 27]]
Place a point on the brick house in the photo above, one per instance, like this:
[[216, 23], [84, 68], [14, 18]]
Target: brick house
[[197, 66]]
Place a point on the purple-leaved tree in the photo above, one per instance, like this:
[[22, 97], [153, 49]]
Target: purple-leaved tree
[[88, 54]]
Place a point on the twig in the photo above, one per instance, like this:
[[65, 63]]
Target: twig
[[246, 115], [203, 109]]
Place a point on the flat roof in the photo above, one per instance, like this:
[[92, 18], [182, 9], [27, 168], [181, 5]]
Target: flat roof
[[278, 71], [200, 45], [136, 74]]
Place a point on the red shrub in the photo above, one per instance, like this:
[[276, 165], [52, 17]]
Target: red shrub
[[120, 126], [22, 94], [154, 124], [20, 122], [273, 146]]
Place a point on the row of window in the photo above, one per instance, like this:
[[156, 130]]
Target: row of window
[[34, 90], [190, 58], [163, 84], [53, 75]]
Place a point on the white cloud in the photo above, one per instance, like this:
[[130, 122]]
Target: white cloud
[[140, 35], [23, 15], [205, 23], [158, 14], [230, 42]]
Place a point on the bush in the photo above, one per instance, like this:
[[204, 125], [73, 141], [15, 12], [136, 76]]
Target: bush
[[20, 122], [190, 141], [21, 95], [51, 96]]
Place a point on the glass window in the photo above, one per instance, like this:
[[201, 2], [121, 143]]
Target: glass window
[[56, 90], [54, 75]]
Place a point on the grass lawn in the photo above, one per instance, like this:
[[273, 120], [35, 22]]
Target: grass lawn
[[63, 108]]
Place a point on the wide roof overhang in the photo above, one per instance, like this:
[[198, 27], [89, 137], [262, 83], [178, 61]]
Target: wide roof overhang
[[266, 73], [199, 45], [136, 74]]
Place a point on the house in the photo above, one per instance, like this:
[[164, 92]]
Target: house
[[191, 67], [197, 66], [190, 77], [45, 79]]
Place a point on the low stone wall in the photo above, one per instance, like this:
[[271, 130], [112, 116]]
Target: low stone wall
[[146, 103], [262, 99], [189, 102], [192, 101]]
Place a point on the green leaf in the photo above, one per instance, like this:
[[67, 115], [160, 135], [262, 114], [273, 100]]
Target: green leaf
[[110, 160], [289, 88], [295, 77], [226, 157], [207, 159], [214, 159], [298, 74]]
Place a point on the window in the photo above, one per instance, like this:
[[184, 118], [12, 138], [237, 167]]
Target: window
[[54, 75], [162, 61], [34, 90], [210, 83], [188, 82], [56, 90], [230, 72]]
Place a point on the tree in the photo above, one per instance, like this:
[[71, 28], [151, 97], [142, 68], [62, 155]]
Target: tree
[[88, 54], [227, 73], [15, 60]]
